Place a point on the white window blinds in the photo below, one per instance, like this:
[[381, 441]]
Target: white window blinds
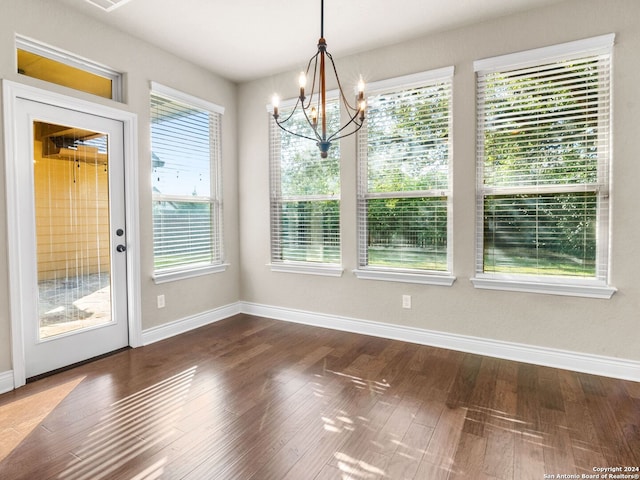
[[305, 194], [543, 161], [185, 143], [404, 152]]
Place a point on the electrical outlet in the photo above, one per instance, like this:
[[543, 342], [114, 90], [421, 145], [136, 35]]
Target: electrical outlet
[[160, 301], [406, 301]]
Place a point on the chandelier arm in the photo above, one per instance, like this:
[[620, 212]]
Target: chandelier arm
[[335, 139], [294, 133], [313, 82], [335, 72], [289, 117], [335, 135], [315, 130], [281, 123]]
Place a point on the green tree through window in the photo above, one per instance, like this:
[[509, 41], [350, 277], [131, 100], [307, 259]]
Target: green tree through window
[[404, 154], [543, 153], [305, 195]]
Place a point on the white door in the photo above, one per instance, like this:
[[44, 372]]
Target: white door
[[72, 226]]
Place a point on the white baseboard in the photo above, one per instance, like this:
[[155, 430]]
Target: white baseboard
[[579, 362], [155, 334], [6, 381], [550, 357]]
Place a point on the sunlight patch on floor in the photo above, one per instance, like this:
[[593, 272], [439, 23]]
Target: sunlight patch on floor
[[355, 468], [130, 427], [20, 417], [374, 386], [154, 471]]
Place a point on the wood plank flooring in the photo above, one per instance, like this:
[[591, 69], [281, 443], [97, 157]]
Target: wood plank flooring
[[254, 398]]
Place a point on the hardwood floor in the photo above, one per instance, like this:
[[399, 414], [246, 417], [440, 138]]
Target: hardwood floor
[[253, 398]]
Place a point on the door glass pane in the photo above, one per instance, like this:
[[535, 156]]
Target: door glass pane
[[72, 229]]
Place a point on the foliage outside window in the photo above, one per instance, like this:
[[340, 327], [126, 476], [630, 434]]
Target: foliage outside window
[[185, 144], [305, 195], [404, 175], [543, 161]]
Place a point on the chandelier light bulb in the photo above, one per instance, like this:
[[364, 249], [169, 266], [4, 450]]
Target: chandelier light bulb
[[302, 81]]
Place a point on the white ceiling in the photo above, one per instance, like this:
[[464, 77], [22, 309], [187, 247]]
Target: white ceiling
[[247, 39]]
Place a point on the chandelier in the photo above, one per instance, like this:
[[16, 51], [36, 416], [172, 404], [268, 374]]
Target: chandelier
[[314, 107]]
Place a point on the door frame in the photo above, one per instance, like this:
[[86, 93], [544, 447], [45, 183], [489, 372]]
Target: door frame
[[12, 91]]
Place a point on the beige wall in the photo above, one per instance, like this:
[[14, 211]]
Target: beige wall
[[141, 64], [602, 327]]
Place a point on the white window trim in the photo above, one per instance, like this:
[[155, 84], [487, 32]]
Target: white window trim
[[171, 275], [182, 97], [565, 286], [72, 60], [322, 269], [190, 271], [391, 274], [551, 286], [411, 80], [579, 48]]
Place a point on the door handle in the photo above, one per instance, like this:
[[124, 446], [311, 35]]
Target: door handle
[[121, 248]]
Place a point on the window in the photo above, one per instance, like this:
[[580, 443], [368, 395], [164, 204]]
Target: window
[[305, 199], [543, 163], [404, 154], [187, 208], [49, 64]]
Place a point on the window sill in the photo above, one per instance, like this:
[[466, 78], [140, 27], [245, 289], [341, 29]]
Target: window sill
[[182, 274], [406, 277], [588, 290], [308, 269]]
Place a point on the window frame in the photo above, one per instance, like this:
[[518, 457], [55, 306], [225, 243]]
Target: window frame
[[275, 198], [592, 287], [401, 274], [214, 199], [71, 60]]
